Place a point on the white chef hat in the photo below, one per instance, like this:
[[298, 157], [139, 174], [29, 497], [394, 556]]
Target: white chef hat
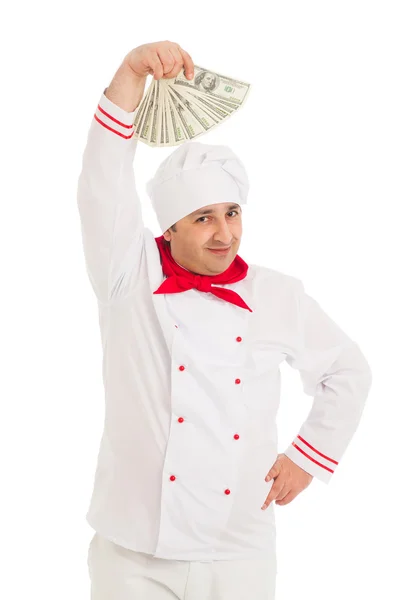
[[196, 175]]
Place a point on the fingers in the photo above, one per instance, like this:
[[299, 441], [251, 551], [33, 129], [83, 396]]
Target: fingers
[[287, 498], [283, 493], [273, 472], [168, 59], [275, 469], [162, 59], [187, 63], [289, 481], [173, 58], [274, 492], [155, 64], [178, 62]]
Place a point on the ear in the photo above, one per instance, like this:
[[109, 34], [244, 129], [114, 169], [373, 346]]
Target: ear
[[167, 235]]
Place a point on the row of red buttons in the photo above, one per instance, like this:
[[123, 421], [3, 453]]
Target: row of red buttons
[[181, 419], [227, 492]]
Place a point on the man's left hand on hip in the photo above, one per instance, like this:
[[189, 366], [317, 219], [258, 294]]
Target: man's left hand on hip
[[290, 480]]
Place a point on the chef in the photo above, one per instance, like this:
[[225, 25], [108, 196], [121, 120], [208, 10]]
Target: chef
[[188, 469]]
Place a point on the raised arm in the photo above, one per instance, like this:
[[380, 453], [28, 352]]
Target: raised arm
[[109, 207]]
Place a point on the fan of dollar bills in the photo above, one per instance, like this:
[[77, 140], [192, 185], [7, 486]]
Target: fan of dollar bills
[[176, 110]]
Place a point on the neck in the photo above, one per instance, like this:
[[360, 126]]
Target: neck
[[182, 266]]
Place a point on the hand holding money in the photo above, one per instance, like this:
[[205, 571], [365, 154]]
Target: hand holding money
[[180, 109], [183, 101], [160, 59]]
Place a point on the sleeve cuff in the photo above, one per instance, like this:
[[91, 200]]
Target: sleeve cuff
[[114, 118], [309, 458]]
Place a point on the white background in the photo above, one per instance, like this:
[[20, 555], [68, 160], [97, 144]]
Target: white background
[[319, 136]]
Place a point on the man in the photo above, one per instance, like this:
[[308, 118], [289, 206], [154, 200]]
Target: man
[[193, 337]]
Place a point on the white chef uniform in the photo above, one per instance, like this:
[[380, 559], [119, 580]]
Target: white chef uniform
[[192, 382]]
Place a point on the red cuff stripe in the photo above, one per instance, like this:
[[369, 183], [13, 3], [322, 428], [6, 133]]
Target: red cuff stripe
[[320, 453], [113, 119], [126, 137], [310, 457]]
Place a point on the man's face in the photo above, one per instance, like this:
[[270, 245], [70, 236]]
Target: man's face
[[197, 233]]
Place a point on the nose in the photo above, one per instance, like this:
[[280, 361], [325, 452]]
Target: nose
[[223, 234]]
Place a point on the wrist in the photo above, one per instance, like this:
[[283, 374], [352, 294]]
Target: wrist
[[126, 89], [127, 71]]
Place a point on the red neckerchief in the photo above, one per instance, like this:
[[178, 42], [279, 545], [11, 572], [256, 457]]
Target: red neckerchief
[[180, 280]]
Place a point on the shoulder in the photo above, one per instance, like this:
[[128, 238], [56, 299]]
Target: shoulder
[[266, 276]]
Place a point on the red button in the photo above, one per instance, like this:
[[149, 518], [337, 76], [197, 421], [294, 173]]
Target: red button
[[239, 339], [236, 436], [181, 419], [237, 381], [227, 492], [172, 478], [181, 368]]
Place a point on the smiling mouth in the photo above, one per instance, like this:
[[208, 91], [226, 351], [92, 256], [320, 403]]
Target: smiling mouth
[[219, 250]]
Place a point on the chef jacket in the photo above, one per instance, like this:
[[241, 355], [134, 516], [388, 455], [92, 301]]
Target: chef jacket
[[192, 382]]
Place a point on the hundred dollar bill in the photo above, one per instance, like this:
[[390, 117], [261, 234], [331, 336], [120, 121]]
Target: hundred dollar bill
[[191, 121], [204, 119], [213, 114], [214, 85], [149, 130], [142, 112], [207, 110], [161, 133], [175, 127], [166, 130], [205, 102], [144, 133], [223, 104], [138, 119], [155, 118]]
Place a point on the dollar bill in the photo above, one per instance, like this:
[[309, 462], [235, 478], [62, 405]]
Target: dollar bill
[[197, 112], [214, 85], [155, 125], [138, 121]]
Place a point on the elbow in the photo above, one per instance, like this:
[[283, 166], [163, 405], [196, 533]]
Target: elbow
[[365, 369], [354, 372]]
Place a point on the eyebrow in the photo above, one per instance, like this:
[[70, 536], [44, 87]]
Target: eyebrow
[[210, 211]]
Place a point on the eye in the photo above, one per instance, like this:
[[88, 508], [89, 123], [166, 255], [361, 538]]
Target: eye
[[229, 213]]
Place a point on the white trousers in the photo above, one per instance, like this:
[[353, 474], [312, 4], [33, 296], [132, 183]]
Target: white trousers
[[117, 573]]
